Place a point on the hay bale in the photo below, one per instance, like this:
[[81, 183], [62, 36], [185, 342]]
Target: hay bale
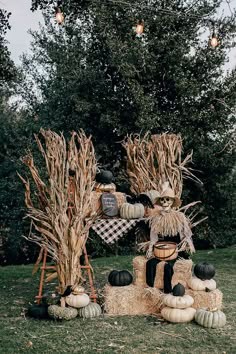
[[182, 272], [139, 271], [210, 299], [132, 300]]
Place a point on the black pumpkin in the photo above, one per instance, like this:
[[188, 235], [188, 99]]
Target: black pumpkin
[[120, 278], [204, 271], [178, 290], [38, 311], [104, 176]]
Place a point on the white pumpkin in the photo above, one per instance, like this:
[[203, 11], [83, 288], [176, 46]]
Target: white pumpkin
[[179, 302], [178, 315], [80, 300], [131, 211], [78, 290], [195, 283]]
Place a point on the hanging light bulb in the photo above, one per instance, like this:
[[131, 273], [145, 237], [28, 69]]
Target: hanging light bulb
[[59, 16], [214, 41], [139, 28]]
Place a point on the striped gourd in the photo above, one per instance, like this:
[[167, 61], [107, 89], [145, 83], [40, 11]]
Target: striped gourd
[[131, 211], [90, 311]]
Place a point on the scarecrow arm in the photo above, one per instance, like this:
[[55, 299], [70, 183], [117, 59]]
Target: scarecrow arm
[[153, 240]]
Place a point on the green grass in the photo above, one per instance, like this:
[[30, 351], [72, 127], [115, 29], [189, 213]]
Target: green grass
[[137, 334]]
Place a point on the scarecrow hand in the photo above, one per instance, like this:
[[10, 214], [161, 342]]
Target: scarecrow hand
[[149, 253]]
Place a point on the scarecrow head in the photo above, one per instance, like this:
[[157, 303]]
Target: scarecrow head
[[167, 199]]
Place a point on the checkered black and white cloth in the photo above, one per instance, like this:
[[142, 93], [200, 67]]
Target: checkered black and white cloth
[[111, 230]]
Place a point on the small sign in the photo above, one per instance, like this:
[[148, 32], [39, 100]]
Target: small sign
[[109, 204]]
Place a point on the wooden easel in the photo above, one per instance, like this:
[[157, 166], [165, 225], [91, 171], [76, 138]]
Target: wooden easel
[[87, 265]]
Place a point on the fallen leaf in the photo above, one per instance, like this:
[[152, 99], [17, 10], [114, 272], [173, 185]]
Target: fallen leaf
[[29, 344]]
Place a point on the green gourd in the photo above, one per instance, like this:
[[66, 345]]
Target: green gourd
[[62, 313], [210, 319], [90, 311], [132, 211]]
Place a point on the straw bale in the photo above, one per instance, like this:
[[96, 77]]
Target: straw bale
[[132, 300], [210, 299], [182, 272], [139, 271]]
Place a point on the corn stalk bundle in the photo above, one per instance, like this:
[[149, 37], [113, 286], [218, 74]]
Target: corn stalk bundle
[[156, 160], [61, 216]]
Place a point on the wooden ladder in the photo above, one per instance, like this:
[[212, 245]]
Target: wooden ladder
[[46, 267]]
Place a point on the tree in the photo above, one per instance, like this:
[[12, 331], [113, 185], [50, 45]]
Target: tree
[[99, 75], [14, 139], [7, 68]]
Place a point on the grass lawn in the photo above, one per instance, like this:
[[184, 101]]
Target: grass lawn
[[137, 334]]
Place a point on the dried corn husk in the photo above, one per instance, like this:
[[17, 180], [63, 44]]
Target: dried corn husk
[[63, 202], [151, 161]]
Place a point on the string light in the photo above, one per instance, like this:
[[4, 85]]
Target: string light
[[59, 16], [139, 28]]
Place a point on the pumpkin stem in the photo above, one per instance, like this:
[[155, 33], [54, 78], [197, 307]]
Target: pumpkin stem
[[63, 302], [213, 309]]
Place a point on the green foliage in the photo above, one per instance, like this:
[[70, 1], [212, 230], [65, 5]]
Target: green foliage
[[94, 72], [15, 138], [7, 68]]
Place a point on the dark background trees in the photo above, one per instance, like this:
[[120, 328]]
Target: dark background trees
[[15, 138], [94, 72]]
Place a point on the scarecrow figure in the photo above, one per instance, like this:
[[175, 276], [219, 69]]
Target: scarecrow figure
[[168, 225]]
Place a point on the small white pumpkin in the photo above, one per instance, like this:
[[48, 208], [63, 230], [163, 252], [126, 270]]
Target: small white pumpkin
[[77, 301], [78, 290], [179, 302], [210, 319], [178, 315], [197, 284], [131, 211]]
